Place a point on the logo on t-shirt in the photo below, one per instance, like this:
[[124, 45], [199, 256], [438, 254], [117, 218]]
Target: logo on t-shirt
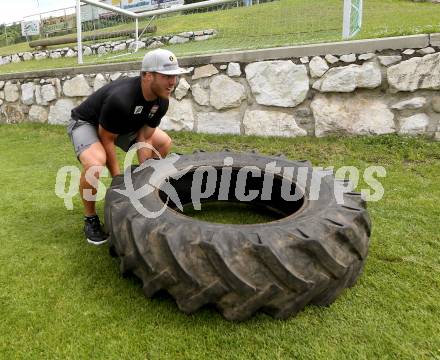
[[153, 111], [138, 109]]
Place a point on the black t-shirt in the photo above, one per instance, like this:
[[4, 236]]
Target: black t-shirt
[[120, 108]]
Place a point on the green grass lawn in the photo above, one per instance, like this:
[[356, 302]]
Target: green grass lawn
[[277, 23], [62, 298]]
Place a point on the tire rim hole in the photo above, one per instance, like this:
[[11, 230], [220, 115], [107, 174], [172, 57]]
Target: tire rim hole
[[226, 201]]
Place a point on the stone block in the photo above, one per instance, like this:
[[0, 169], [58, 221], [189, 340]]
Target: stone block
[[87, 51], [416, 73], [331, 59], [436, 104], [11, 92], [227, 122], [271, 123], [366, 56], [155, 44], [225, 93], [348, 58], [178, 40], [179, 116], [414, 125], [99, 82], [15, 58], [318, 67], [409, 52], [426, 51], [278, 83], [200, 94], [348, 78], [181, 89], [120, 47], [389, 60], [115, 76], [27, 93], [38, 114], [233, 70], [55, 55], [351, 114], [410, 104], [59, 113], [13, 113], [78, 86], [27, 56], [204, 72], [70, 53], [48, 93]]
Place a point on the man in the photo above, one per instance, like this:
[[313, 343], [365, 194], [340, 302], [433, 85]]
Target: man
[[122, 113]]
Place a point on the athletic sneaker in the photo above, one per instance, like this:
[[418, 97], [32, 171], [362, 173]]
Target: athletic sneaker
[[93, 230]]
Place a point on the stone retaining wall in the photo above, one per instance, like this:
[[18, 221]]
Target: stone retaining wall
[[391, 91]]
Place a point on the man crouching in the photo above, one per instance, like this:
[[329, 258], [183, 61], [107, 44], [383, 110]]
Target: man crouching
[[122, 113]]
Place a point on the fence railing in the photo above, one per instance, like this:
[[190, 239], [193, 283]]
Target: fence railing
[[254, 24], [136, 16], [225, 24], [49, 23]]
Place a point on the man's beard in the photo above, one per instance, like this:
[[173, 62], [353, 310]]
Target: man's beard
[[158, 91]]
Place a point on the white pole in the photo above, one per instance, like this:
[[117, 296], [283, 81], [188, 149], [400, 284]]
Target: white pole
[[137, 35], [78, 31], [346, 20], [41, 21]]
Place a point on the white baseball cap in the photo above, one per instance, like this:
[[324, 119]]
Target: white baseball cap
[[163, 62]]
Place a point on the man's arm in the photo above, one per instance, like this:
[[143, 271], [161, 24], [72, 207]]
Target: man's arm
[[108, 142], [143, 135]]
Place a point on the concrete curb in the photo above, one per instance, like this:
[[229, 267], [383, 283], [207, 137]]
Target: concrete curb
[[434, 39], [335, 48]]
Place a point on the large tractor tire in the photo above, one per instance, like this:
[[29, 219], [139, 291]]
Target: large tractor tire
[[313, 251]]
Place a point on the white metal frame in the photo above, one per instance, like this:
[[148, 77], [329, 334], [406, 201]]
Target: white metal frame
[[347, 18], [136, 16]]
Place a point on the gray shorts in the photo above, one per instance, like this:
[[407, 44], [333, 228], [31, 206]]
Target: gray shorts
[[83, 134]]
